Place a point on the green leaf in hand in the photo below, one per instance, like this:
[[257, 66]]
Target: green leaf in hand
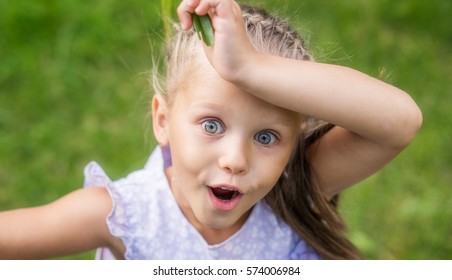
[[204, 28]]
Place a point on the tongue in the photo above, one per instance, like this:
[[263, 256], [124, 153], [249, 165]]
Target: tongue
[[223, 194]]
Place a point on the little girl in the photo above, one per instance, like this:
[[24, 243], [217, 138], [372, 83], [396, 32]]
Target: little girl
[[244, 169]]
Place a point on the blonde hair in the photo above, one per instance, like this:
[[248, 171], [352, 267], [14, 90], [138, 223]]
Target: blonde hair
[[296, 198]]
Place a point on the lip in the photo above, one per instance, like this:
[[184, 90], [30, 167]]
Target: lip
[[225, 205]]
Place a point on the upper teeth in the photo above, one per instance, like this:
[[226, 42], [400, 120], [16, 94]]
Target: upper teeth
[[224, 188]]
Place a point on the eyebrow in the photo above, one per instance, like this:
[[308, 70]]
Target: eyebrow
[[206, 103], [205, 107]]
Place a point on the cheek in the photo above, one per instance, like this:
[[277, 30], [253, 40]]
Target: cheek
[[273, 175], [189, 155], [275, 166], [269, 171]]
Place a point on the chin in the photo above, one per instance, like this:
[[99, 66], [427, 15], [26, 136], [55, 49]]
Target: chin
[[219, 222]]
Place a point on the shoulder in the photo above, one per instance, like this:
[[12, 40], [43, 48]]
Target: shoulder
[[134, 188], [153, 170]]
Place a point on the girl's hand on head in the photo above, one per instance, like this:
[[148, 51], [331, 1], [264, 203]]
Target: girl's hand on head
[[232, 48]]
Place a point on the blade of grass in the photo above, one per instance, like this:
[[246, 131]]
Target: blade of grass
[[167, 7]]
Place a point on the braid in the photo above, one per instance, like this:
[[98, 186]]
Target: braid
[[270, 34]]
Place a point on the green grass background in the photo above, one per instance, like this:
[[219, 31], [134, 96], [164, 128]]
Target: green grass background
[[74, 88]]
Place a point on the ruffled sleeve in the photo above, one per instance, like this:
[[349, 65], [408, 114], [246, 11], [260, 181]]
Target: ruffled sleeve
[[134, 214], [95, 176], [118, 221]]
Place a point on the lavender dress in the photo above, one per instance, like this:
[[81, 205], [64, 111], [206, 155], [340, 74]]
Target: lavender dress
[[147, 218]]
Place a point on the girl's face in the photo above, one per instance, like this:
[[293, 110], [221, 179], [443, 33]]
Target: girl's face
[[228, 147]]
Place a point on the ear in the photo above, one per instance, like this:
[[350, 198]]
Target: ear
[[159, 119]]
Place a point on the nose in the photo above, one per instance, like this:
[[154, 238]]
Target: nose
[[234, 157]]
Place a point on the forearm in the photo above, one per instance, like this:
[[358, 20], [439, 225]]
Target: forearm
[[364, 105]]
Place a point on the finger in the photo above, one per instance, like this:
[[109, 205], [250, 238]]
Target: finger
[[184, 11], [221, 7], [205, 6]]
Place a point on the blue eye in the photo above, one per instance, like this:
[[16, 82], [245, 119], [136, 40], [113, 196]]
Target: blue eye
[[212, 127], [266, 137]]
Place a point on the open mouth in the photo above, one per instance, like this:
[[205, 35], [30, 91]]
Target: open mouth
[[224, 198], [224, 193]]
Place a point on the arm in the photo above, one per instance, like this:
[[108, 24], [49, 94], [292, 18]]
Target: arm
[[375, 121], [73, 224]]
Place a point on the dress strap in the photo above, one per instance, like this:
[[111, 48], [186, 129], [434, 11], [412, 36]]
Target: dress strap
[[166, 153]]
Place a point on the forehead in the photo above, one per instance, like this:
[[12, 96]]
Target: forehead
[[206, 90]]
